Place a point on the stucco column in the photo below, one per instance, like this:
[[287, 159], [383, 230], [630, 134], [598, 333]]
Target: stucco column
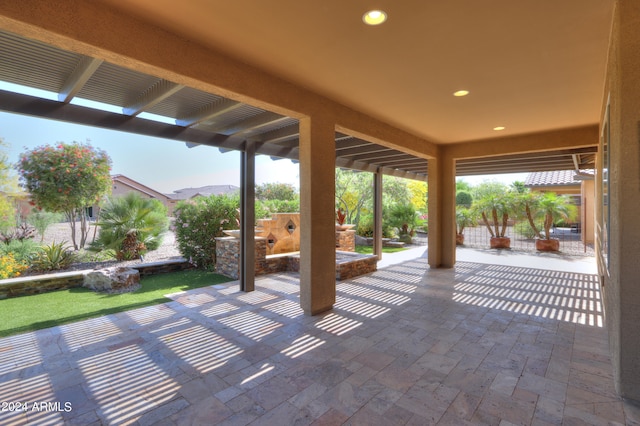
[[248, 217], [377, 214], [621, 290], [317, 215], [441, 252]]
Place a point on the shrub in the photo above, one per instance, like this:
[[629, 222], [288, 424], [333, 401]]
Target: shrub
[[10, 267], [524, 229], [268, 207], [463, 198], [365, 227], [22, 251], [198, 222], [405, 218], [130, 225], [276, 191], [86, 256], [53, 257], [20, 233], [41, 220]]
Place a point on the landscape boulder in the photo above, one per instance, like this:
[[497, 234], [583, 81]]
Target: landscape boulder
[[113, 280]]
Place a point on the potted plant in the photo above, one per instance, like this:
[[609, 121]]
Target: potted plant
[[550, 208], [494, 209], [340, 219], [464, 218]]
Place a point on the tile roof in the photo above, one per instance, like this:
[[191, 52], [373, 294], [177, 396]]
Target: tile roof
[[204, 191], [555, 178]]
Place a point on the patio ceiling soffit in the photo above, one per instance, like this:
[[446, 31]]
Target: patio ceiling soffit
[[202, 118], [199, 118]]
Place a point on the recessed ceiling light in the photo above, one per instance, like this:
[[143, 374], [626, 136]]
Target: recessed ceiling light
[[374, 17], [461, 93], [498, 128]]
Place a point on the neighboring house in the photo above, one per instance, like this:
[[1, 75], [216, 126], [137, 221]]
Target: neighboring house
[[577, 185], [123, 185], [203, 191]]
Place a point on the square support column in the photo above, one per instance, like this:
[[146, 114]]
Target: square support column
[[317, 209], [377, 214], [247, 217], [442, 212], [621, 292]]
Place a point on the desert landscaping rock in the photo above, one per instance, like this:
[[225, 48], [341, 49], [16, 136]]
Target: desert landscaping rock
[[113, 280]]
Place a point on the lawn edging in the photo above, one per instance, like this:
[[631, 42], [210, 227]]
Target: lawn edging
[[36, 284]]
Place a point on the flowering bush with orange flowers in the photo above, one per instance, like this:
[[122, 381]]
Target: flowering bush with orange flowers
[[10, 267], [66, 178]]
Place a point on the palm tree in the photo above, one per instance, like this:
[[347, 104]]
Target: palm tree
[[404, 217], [494, 209], [130, 225], [551, 208], [464, 217]]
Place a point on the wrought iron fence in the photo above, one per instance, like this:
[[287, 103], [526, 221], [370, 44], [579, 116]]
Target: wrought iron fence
[[570, 240]]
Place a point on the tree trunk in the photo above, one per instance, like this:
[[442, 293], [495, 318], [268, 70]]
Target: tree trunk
[[494, 213], [486, 223], [531, 223], [548, 223], [505, 220], [71, 217]]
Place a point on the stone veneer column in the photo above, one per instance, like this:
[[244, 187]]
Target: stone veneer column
[[317, 201], [346, 240]]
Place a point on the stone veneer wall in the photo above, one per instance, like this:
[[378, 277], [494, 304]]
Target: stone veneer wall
[[23, 286], [228, 260], [346, 240]]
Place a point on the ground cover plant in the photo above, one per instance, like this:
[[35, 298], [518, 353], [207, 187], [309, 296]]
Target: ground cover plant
[[30, 313], [369, 249]]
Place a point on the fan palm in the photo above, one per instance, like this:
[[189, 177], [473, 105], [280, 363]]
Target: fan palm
[[130, 225]]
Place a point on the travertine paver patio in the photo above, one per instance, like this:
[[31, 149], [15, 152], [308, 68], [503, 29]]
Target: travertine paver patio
[[478, 344]]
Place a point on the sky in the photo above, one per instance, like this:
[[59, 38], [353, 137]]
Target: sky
[[162, 164]]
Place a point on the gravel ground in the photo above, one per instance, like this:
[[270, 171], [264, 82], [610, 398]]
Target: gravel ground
[[62, 232]]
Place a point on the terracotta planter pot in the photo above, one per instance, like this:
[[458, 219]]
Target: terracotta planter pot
[[500, 242], [552, 244], [459, 239]]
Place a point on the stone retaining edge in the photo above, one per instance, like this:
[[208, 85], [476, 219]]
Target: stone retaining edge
[[36, 284]]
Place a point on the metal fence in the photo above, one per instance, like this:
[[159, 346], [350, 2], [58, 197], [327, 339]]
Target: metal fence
[[570, 240]]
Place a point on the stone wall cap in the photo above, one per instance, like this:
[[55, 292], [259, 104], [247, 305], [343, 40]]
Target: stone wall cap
[[234, 238], [28, 278]]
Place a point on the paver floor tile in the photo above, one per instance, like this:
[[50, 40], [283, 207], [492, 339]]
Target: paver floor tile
[[407, 345]]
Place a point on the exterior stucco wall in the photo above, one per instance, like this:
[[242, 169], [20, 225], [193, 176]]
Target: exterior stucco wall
[[587, 215], [621, 283]]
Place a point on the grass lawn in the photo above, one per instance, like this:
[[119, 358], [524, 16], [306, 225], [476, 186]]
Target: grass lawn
[[369, 249], [29, 313]]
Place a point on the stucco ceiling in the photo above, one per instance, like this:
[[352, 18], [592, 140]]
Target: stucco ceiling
[[530, 65]]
